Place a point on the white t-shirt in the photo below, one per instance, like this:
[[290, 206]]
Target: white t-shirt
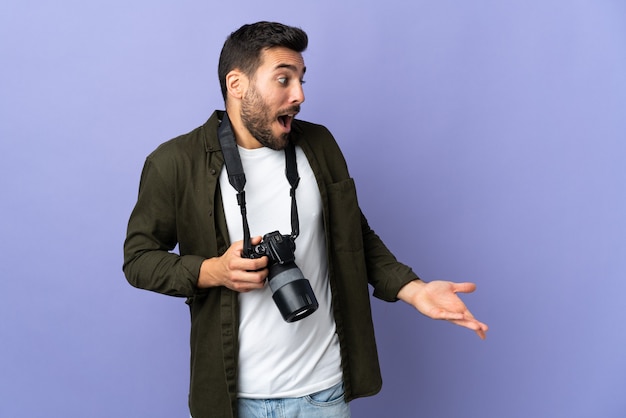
[[278, 359]]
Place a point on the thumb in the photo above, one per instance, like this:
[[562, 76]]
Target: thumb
[[464, 287]]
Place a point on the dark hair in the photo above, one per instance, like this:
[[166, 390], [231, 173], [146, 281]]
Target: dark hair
[[242, 49]]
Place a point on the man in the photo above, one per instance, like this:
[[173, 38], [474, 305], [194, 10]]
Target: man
[[244, 356]]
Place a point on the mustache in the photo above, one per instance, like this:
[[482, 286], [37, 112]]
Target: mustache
[[290, 110]]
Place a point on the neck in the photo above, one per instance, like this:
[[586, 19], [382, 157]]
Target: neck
[[243, 137]]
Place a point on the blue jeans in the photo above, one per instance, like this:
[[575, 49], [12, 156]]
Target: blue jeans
[[328, 403]]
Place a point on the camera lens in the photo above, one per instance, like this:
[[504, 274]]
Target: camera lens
[[291, 292]]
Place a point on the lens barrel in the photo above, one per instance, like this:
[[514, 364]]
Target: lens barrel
[[291, 292]]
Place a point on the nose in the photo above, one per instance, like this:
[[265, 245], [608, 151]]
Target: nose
[[297, 94]]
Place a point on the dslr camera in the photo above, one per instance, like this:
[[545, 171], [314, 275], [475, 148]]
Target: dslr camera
[[291, 291]]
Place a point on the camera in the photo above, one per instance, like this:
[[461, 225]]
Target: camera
[[291, 291]]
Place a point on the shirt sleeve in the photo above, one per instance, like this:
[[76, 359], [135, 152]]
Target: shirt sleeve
[[385, 273], [149, 260]]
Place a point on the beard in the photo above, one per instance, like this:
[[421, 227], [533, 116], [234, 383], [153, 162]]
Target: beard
[[258, 118]]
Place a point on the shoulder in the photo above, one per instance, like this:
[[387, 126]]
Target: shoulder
[[322, 150], [315, 136], [307, 129], [188, 146]]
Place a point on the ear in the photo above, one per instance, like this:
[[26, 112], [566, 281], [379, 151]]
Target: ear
[[236, 84]]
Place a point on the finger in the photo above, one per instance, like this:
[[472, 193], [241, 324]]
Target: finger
[[249, 264], [466, 287], [254, 276], [478, 327], [482, 330], [469, 316], [258, 263], [447, 315], [237, 246], [246, 281]]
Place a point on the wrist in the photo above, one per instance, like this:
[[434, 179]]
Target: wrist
[[408, 292], [206, 278]]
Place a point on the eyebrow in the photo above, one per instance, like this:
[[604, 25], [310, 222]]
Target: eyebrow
[[290, 67]]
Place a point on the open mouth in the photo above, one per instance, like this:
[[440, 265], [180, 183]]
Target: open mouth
[[285, 121]]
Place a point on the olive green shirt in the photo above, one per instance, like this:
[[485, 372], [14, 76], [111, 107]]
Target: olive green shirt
[[179, 203]]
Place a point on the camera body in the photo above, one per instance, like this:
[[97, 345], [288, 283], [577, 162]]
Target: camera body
[[291, 291], [277, 247]]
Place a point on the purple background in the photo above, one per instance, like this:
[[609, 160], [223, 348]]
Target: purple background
[[487, 140]]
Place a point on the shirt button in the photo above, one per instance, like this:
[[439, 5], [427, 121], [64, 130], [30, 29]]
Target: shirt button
[[213, 171]]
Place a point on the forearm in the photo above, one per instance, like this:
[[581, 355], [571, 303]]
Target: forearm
[[164, 272], [385, 273]]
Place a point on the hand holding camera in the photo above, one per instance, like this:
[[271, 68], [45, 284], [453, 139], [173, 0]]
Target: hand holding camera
[[237, 271], [233, 271]]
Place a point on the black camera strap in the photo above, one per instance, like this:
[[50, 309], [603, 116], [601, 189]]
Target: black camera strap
[[237, 178], [291, 171]]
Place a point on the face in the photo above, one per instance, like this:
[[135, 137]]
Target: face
[[273, 97]]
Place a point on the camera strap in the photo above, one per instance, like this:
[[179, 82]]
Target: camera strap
[[237, 178]]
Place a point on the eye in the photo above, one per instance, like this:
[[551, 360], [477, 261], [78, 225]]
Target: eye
[[285, 80]]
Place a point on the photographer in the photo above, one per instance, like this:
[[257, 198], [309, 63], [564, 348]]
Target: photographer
[[248, 351]]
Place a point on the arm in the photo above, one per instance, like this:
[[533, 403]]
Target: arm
[[393, 280], [149, 262], [390, 279], [153, 229]]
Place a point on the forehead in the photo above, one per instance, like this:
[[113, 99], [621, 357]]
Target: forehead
[[276, 58]]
